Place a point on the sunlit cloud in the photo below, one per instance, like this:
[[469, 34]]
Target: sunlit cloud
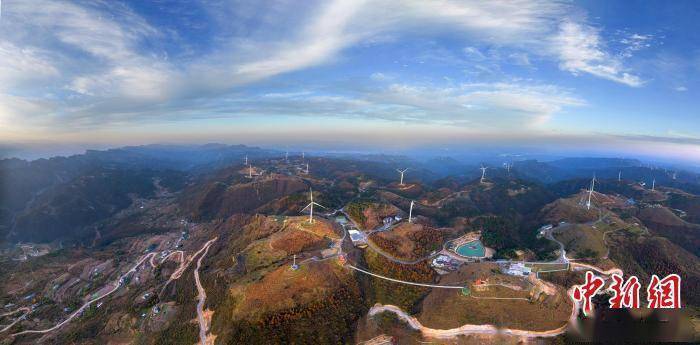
[[580, 49]]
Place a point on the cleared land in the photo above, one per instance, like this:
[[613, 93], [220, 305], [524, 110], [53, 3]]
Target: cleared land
[[581, 241]]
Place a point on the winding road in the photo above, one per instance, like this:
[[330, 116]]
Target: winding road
[[202, 295], [119, 282], [26, 310], [468, 329]]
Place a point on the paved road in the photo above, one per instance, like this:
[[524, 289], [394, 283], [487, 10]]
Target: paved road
[[406, 282], [562, 252], [117, 284]]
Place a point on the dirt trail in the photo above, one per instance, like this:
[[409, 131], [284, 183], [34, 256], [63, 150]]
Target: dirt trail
[[202, 295]]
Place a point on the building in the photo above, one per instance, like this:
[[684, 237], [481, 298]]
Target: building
[[359, 239], [517, 269], [444, 262]]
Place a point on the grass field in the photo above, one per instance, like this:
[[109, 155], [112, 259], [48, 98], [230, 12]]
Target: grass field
[[581, 241], [445, 309], [284, 288]]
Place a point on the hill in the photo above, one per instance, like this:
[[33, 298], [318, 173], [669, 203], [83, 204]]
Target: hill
[[229, 193], [369, 215], [664, 222]]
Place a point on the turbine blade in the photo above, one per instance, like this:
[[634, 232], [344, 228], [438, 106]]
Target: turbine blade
[[317, 204], [307, 206]]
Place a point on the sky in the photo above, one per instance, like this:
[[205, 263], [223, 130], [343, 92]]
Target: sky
[[616, 77]]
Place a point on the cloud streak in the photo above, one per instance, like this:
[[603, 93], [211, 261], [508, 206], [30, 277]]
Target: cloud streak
[[99, 63]]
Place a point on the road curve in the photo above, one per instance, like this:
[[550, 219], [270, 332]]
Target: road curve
[[462, 330], [484, 329], [202, 295], [117, 285], [26, 312]]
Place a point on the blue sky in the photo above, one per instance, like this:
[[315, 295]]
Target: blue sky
[[617, 76]]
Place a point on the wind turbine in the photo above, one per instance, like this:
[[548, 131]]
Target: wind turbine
[[250, 171], [310, 206], [302, 156], [286, 156], [653, 184], [590, 193], [401, 172], [674, 175], [307, 168], [410, 213], [246, 159], [508, 166], [619, 176], [294, 263], [483, 173]]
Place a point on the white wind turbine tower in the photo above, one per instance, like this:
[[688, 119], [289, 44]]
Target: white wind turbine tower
[[619, 176], [307, 168], [674, 175], [286, 156], [483, 173], [246, 159], [590, 193], [310, 206], [401, 179], [294, 263], [250, 171], [508, 166], [653, 184], [410, 213]]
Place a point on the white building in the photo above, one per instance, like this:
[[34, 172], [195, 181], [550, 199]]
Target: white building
[[518, 269]]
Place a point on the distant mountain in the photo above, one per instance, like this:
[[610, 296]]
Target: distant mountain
[[62, 194]]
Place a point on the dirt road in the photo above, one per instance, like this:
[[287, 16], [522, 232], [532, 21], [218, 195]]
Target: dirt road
[[202, 295], [26, 310]]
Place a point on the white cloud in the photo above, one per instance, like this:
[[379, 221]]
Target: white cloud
[[516, 105], [100, 59], [482, 104], [634, 43], [580, 50]]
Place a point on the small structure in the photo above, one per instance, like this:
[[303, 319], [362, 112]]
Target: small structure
[[341, 220], [545, 228], [479, 285]]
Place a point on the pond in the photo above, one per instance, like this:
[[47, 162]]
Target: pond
[[471, 249]]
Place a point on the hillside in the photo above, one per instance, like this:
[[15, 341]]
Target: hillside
[[229, 194], [664, 222], [369, 215], [411, 241], [63, 212]]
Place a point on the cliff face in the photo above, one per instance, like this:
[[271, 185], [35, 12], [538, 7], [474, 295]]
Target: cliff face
[[215, 199]]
